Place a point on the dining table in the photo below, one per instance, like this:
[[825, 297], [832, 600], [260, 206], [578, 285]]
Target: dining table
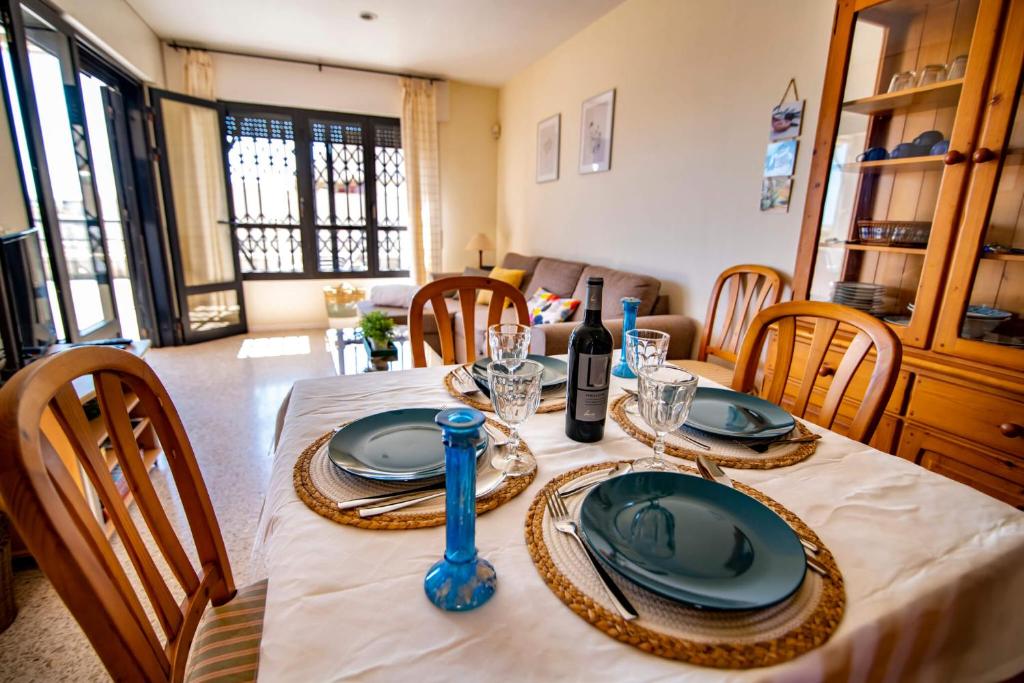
[[933, 569]]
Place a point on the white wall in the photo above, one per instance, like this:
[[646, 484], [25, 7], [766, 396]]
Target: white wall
[[114, 26], [695, 85], [468, 158]]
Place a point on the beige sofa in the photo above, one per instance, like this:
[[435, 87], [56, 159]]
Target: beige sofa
[[568, 279]]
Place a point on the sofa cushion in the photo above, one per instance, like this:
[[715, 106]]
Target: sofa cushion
[[546, 308], [618, 284], [506, 275], [527, 264], [557, 276]]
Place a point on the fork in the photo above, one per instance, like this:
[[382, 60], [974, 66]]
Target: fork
[[564, 523]]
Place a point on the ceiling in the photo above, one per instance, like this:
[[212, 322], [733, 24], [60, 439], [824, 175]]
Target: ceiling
[[478, 41]]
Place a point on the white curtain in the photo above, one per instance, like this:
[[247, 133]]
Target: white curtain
[[423, 179]]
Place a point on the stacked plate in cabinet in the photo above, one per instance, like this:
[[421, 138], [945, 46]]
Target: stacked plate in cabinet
[[864, 296]]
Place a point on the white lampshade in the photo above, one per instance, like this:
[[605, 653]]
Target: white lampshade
[[479, 242]]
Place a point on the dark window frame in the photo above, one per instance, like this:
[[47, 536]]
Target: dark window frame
[[302, 120]]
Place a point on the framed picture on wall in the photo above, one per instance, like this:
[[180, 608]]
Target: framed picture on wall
[[596, 124], [548, 141]]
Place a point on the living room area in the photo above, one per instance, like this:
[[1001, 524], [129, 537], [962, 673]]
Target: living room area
[[725, 301]]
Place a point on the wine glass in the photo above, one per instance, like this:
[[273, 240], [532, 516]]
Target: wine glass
[[665, 396], [643, 348], [515, 393], [509, 342]]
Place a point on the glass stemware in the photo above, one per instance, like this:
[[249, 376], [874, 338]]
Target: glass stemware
[[643, 348], [515, 393], [665, 396], [509, 343]]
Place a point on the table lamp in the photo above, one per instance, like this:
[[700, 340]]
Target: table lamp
[[480, 243]]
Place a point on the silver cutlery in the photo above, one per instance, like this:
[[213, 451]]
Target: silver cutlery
[[498, 439], [484, 487], [709, 469], [803, 438], [389, 497], [465, 383], [593, 479], [564, 523]]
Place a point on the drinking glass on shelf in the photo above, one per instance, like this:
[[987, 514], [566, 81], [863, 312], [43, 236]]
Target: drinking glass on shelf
[[933, 73], [515, 393], [643, 348], [902, 81], [509, 343], [666, 394], [957, 68]]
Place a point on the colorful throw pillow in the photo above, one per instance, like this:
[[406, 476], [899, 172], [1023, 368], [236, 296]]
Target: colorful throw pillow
[[512, 277], [545, 307]]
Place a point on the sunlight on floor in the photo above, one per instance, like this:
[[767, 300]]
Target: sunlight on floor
[[270, 347]]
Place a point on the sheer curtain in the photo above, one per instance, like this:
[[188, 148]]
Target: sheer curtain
[[423, 179]]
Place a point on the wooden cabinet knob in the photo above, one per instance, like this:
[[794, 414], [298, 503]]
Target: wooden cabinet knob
[[983, 154], [1011, 430], [826, 371], [954, 157]]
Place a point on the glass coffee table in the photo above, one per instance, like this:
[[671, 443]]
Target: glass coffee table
[[349, 352]]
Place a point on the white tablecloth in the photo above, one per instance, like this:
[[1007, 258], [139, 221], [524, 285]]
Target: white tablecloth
[[934, 570]]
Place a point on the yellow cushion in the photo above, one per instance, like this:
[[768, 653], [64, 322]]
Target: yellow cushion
[[512, 277]]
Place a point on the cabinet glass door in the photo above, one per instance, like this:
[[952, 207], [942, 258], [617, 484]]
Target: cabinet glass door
[[910, 96], [983, 312]]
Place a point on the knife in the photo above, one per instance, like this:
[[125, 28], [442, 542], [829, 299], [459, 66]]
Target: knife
[[709, 469]]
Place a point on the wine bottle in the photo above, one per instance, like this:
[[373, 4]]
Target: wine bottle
[[590, 366]]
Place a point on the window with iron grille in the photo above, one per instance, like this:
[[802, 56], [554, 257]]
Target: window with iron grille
[[316, 194]]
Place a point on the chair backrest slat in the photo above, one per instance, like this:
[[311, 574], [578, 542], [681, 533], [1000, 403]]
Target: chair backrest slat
[[467, 287], [747, 281], [41, 414], [68, 409], [114, 408], [871, 335]]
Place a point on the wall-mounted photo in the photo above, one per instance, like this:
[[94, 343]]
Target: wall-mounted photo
[[780, 158], [786, 121], [548, 142], [596, 133], [775, 194]]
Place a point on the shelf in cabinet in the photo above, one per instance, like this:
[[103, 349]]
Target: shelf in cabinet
[[884, 249], [1003, 257], [927, 163], [935, 95]]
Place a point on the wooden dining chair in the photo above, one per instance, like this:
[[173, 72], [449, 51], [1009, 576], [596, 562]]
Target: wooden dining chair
[[870, 333], [44, 495], [467, 287]]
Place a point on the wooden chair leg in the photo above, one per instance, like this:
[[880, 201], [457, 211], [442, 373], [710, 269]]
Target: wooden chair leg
[[8, 609]]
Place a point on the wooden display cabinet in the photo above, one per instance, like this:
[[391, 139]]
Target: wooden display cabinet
[[956, 298]]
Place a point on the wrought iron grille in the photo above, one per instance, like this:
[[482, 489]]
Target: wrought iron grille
[[339, 196], [264, 190], [315, 193], [392, 201]]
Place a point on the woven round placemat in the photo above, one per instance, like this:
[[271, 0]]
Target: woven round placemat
[[723, 451], [320, 484], [481, 402], [725, 640]]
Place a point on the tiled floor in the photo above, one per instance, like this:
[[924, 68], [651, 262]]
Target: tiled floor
[[228, 393]]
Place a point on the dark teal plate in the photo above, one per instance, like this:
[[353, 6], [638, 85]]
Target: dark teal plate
[[555, 370], [396, 445], [738, 416], [693, 540]]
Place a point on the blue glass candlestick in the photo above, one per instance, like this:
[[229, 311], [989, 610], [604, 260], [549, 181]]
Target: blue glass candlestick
[[460, 581], [630, 304]]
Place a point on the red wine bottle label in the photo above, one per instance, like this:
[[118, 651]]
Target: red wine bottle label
[[592, 372]]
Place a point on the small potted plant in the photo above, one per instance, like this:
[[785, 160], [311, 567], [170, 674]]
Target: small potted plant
[[378, 332]]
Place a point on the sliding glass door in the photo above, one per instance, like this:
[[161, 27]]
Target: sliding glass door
[[74, 229], [203, 248]]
